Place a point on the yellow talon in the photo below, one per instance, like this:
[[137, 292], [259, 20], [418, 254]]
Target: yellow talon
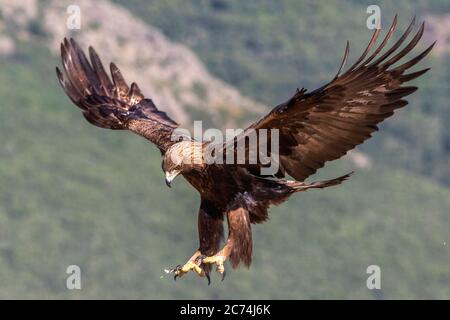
[[218, 260], [195, 262], [192, 265]]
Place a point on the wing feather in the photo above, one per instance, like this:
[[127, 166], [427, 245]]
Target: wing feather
[[326, 123], [110, 103]]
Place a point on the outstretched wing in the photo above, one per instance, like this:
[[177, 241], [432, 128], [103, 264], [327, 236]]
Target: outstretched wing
[[325, 124], [111, 104]]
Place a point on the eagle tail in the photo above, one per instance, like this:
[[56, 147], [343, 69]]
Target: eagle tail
[[298, 186]]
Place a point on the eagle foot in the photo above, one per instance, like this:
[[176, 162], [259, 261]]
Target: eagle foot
[[218, 260], [194, 264]]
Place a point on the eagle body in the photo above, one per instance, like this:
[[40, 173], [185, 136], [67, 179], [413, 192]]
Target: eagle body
[[237, 185], [247, 195], [312, 128]]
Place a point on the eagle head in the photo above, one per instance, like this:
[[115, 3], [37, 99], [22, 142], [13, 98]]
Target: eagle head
[[182, 157]]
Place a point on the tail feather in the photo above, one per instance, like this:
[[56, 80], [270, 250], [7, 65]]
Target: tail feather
[[302, 186]]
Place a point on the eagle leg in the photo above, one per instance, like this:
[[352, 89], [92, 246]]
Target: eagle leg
[[238, 246], [210, 228]]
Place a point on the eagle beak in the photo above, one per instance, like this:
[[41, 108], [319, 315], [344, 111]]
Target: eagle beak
[[170, 176]]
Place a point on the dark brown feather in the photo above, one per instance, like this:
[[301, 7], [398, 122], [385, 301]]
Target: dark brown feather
[[325, 124], [111, 104]]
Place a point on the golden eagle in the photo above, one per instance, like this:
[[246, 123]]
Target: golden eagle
[[313, 128]]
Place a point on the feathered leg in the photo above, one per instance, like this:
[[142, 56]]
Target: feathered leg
[[210, 232], [239, 243]]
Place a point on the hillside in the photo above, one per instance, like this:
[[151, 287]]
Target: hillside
[[71, 193], [175, 78]]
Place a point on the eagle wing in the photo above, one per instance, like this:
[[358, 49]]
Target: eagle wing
[[111, 104], [325, 124]]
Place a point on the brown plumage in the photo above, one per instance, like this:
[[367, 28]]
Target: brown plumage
[[314, 127]]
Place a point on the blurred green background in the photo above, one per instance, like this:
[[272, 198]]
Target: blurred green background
[[71, 193]]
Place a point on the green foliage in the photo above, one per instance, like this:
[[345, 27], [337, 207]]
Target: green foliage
[[71, 193]]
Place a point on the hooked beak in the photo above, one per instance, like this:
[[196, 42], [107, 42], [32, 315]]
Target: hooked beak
[[170, 176]]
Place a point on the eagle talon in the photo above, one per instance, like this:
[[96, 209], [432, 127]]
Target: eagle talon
[[176, 272], [218, 260], [194, 264], [223, 275], [199, 259]]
